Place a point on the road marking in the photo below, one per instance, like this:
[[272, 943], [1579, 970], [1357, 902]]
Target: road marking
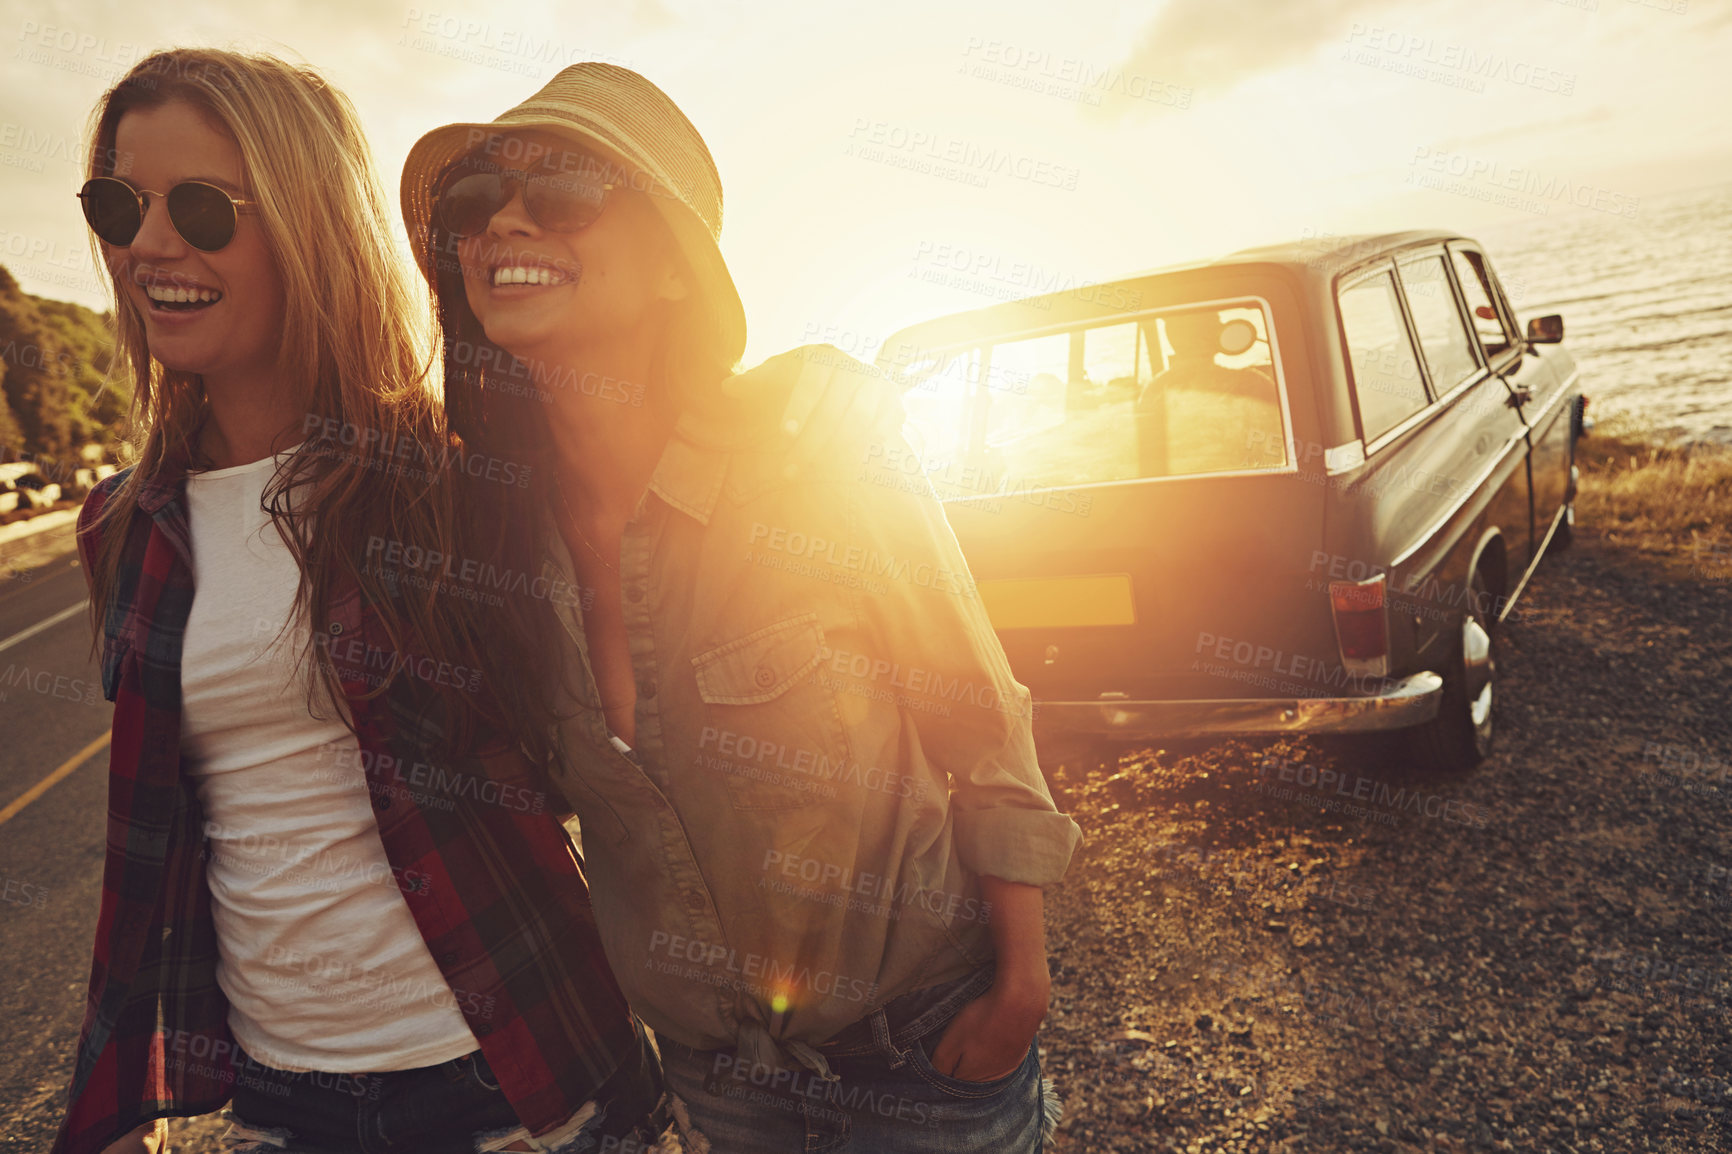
[[45, 623], [65, 768]]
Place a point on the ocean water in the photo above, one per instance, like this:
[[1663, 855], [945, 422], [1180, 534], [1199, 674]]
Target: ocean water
[[1646, 301]]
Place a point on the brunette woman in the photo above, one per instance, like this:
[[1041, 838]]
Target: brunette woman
[[816, 860]]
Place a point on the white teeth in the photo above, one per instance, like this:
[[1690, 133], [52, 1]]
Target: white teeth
[[169, 294], [520, 274]]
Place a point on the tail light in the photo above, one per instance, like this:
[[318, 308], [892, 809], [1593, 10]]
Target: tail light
[[1361, 626]]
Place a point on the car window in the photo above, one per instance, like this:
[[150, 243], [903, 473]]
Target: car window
[[1034, 406], [1386, 377], [1476, 286], [1206, 409], [1181, 392], [1443, 333]]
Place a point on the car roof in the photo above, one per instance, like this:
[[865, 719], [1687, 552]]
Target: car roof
[[1318, 259], [1305, 250]]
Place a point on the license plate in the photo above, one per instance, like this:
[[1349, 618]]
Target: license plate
[[1059, 602]]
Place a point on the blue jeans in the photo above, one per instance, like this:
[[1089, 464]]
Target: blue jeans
[[886, 1096], [455, 1107]]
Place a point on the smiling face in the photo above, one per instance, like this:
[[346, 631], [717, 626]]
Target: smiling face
[[213, 313], [565, 296]]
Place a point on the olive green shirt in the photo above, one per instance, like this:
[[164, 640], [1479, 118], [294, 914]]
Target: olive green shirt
[[830, 746]]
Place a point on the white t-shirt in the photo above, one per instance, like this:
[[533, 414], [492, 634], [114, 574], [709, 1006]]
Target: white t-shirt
[[318, 954]]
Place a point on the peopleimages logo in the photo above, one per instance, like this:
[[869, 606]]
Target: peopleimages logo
[[1462, 65], [356, 660], [777, 982], [1378, 793], [859, 559], [375, 449], [1065, 77], [750, 756], [846, 881], [1454, 171], [427, 782], [1022, 278], [391, 558], [926, 682], [883, 141]]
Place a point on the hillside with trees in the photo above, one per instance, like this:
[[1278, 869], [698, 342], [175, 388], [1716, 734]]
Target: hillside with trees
[[54, 394]]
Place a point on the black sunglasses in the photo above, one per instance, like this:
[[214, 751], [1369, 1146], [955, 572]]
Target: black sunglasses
[[203, 214], [560, 201]]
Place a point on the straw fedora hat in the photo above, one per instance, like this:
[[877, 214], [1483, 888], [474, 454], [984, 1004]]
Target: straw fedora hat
[[628, 122]]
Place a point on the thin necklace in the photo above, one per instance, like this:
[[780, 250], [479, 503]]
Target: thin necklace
[[571, 519]]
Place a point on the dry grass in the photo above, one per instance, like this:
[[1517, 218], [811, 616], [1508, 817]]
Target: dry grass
[[1667, 505]]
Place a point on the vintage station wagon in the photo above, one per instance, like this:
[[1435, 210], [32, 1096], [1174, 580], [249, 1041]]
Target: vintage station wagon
[[1291, 490]]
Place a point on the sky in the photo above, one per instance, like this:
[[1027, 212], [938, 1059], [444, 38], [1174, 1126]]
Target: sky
[[887, 162]]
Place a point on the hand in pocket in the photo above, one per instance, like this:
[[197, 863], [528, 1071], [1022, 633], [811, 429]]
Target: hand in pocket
[[989, 1038]]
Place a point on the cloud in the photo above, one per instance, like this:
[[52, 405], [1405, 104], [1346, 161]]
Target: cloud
[[1213, 44]]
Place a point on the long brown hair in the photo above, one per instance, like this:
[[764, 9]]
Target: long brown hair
[[350, 343], [499, 404]]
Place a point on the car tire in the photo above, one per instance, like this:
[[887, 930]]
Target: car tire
[[1460, 736]]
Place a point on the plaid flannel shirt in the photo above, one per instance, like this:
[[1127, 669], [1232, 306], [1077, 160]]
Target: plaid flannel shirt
[[496, 889]]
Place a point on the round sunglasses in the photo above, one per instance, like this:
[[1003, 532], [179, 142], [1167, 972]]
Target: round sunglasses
[[204, 215], [556, 200]]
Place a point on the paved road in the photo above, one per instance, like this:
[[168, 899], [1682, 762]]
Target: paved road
[[51, 707]]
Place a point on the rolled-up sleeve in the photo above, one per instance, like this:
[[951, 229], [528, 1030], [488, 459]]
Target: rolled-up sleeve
[[926, 616]]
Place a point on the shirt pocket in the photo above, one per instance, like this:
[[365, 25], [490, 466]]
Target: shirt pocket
[[771, 729]]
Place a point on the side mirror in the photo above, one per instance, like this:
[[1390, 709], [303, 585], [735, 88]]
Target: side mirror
[[1547, 330]]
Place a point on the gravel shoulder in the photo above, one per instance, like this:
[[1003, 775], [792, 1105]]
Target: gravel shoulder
[[1531, 956]]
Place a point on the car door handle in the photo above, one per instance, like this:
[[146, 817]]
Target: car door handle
[[1519, 396]]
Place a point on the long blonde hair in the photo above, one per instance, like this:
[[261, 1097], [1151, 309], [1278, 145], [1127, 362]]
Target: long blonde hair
[[350, 342]]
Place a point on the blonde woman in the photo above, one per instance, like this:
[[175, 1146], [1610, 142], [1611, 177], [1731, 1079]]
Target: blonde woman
[[822, 894], [333, 892]]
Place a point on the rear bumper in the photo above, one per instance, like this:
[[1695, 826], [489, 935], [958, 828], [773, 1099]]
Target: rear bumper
[[1412, 701]]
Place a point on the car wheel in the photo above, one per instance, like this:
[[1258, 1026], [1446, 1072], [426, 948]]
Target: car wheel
[[1460, 736]]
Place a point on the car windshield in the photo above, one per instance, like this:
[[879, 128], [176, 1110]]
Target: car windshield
[[1179, 392]]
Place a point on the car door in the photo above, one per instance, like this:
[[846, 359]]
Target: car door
[[1481, 422], [1444, 450], [1538, 389], [1392, 509]]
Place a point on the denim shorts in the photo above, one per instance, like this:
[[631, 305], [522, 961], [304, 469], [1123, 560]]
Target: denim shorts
[[455, 1107], [885, 1095]]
